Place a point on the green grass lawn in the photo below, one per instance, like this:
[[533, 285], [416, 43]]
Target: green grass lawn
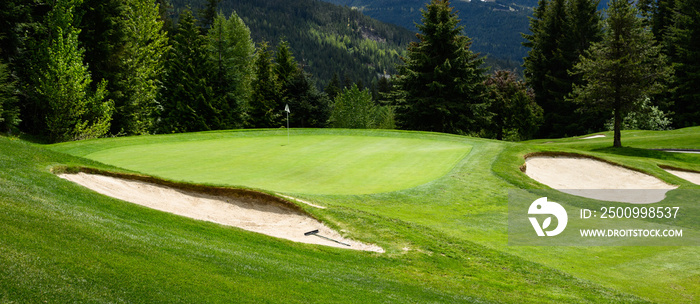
[[314, 164], [445, 237]]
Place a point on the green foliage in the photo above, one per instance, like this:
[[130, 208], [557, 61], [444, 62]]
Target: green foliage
[[9, 110], [441, 83], [72, 111], [621, 70], [187, 97], [326, 38], [644, 116], [266, 105], [231, 54], [141, 67], [311, 106], [683, 45], [516, 116], [354, 109], [561, 31], [208, 14]]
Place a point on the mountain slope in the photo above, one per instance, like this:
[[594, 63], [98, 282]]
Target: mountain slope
[[324, 38], [494, 26]]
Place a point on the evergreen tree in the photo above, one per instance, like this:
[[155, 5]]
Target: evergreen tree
[[9, 111], [231, 52], [311, 105], [561, 31], [208, 14], [684, 40], [73, 111], [333, 87], [187, 96], [141, 68], [286, 68], [266, 104], [623, 69], [441, 83]]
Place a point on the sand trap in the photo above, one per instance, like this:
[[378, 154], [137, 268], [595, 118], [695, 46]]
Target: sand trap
[[593, 136], [693, 177], [243, 212], [588, 177]]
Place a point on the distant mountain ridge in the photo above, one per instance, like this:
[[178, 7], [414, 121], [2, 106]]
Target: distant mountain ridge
[[495, 26]]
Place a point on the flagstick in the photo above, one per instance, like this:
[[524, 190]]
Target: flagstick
[[287, 128]]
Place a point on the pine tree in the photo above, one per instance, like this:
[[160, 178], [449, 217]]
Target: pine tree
[[9, 111], [286, 68], [266, 104], [310, 104], [208, 14], [683, 39], [141, 68], [623, 69], [187, 96], [441, 83], [231, 52], [73, 111], [561, 31], [333, 87]]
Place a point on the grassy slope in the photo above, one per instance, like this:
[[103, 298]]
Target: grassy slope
[[62, 243]]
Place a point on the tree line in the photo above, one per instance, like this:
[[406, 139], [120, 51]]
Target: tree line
[[71, 75]]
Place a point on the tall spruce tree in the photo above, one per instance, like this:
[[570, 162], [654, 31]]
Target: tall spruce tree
[[266, 105], [231, 53], [441, 82], [141, 68], [683, 39], [623, 69], [561, 31], [186, 95]]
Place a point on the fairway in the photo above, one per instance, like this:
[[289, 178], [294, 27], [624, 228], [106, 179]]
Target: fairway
[[311, 164]]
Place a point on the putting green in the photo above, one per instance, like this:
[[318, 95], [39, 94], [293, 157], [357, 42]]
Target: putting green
[[313, 164]]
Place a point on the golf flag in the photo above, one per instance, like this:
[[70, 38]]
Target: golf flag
[[286, 108]]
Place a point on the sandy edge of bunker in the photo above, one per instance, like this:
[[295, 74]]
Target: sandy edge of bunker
[[587, 176], [249, 210]]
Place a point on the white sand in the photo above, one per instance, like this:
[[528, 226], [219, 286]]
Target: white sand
[[593, 179], [594, 136], [245, 213], [693, 177]]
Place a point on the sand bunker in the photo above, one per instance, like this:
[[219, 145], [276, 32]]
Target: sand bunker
[[588, 177], [594, 136], [693, 177], [243, 212]]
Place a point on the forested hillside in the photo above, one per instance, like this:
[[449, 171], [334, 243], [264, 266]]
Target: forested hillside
[[493, 26], [325, 38]]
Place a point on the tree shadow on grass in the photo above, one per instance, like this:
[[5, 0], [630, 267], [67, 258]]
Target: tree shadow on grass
[[646, 153]]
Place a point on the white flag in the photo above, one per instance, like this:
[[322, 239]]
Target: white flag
[[286, 108]]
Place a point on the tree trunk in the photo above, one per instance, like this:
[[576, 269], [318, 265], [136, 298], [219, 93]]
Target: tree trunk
[[617, 141]]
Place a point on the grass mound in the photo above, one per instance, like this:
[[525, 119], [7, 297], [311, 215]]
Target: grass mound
[[312, 162]]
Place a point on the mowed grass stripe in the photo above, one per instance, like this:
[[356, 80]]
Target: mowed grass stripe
[[313, 164]]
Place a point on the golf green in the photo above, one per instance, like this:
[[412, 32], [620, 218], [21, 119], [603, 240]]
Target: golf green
[[312, 164]]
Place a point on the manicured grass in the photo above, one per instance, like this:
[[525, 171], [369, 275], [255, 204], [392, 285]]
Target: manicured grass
[[313, 164], [446, 238], [62, 243]]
